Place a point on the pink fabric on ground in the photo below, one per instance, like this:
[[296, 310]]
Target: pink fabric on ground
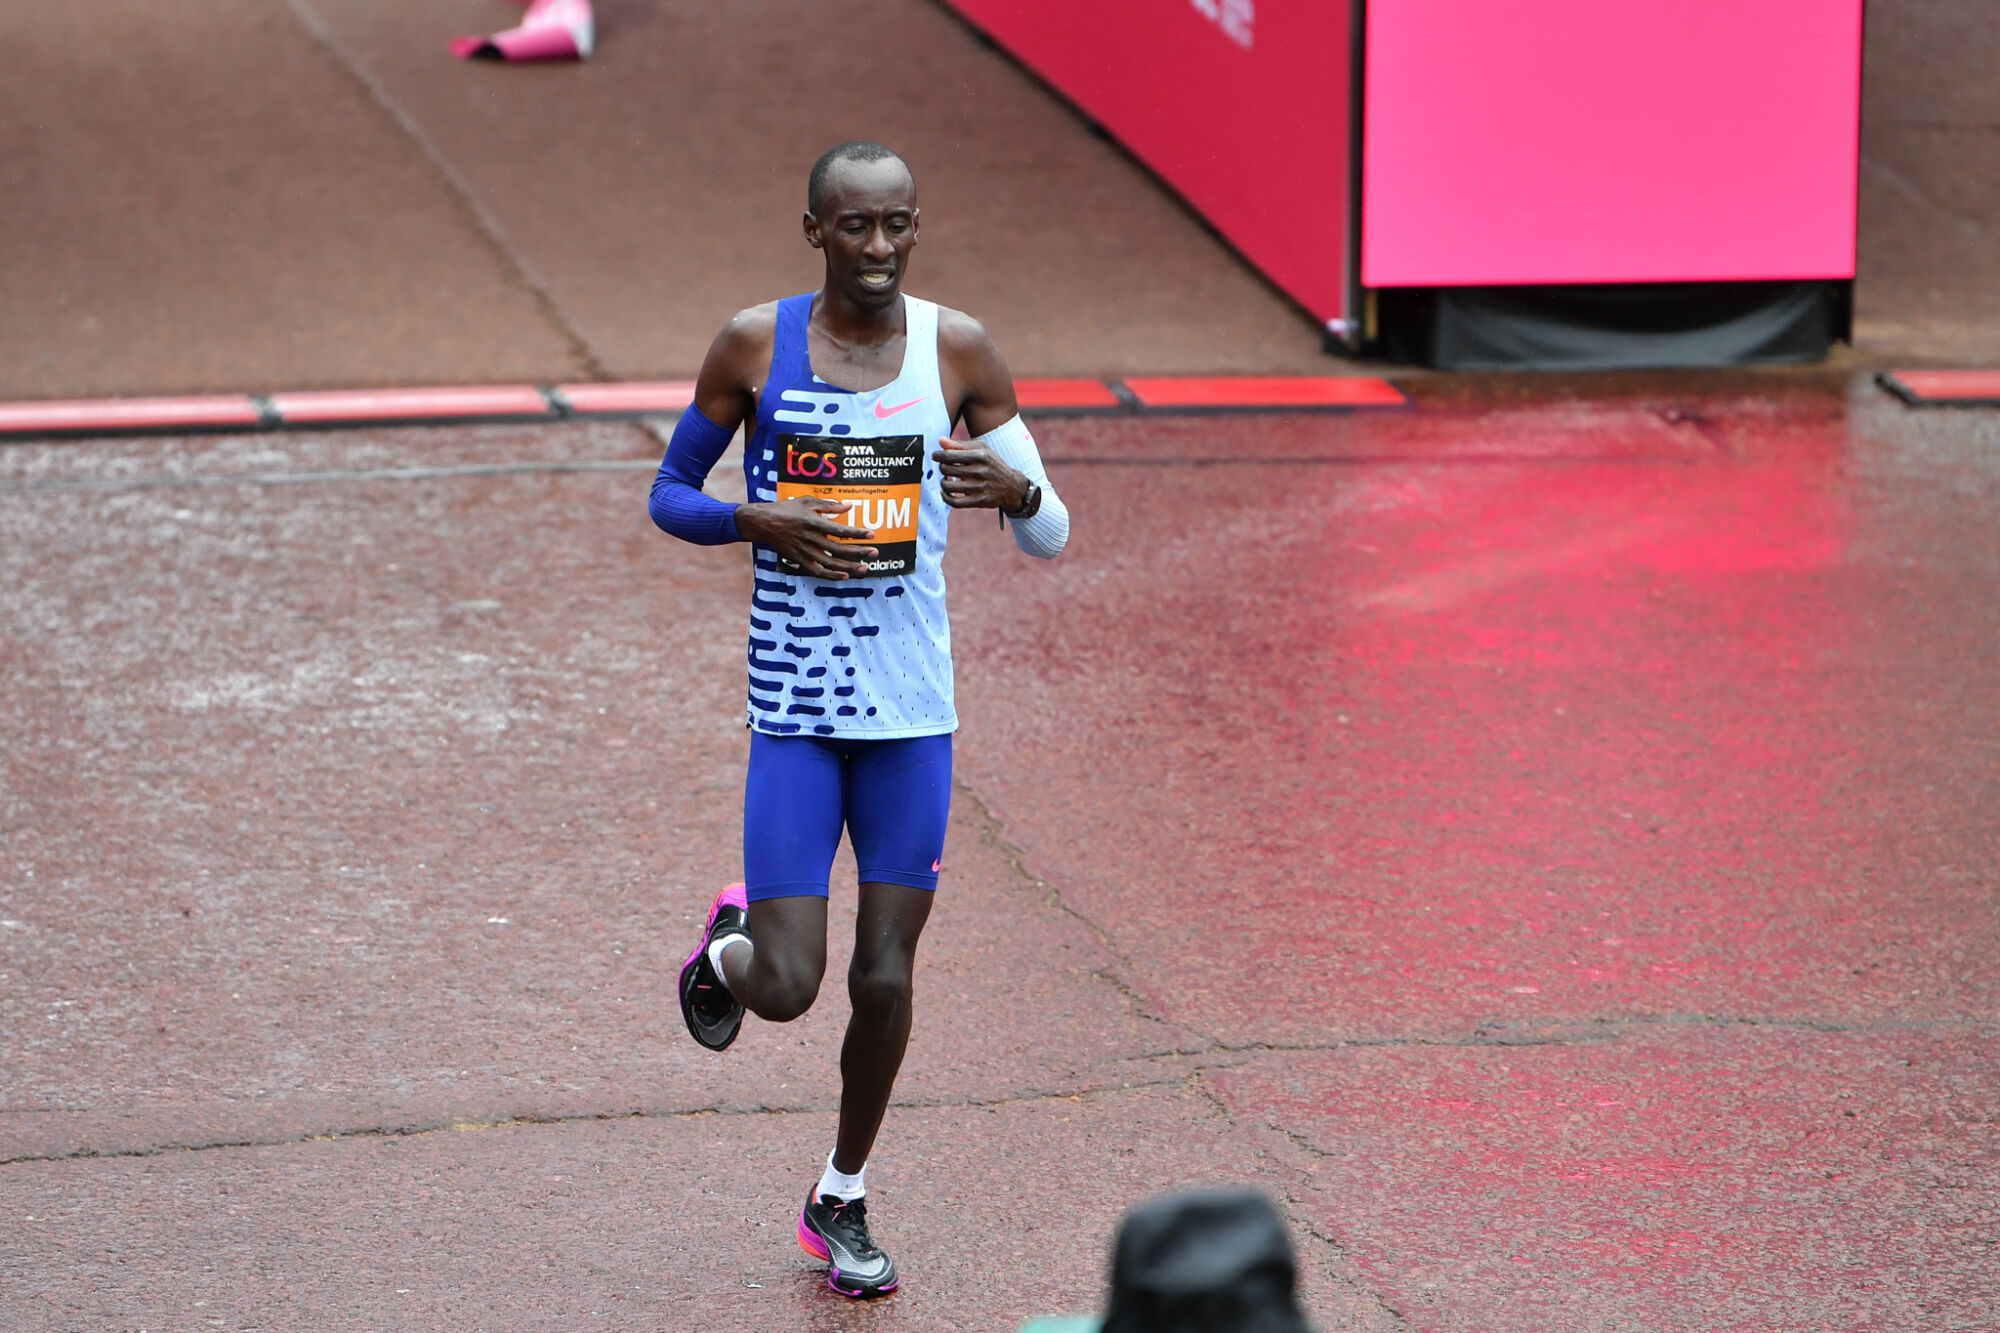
[[550, 30]]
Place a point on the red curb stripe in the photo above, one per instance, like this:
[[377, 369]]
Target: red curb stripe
[[369, 405], [1946, 386], [1048, 393], [631, 396], [363, 407], [1263, 391], [115, 414]]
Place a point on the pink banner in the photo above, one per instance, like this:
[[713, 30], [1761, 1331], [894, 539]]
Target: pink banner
[[1547, 141], [1241, 105]]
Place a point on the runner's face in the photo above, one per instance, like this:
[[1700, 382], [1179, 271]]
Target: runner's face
[[866, 225]]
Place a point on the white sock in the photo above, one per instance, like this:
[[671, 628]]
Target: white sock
[[841, 1185], [715, 948]]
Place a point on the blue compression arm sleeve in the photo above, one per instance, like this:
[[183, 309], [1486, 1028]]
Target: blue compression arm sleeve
[[678, 505]]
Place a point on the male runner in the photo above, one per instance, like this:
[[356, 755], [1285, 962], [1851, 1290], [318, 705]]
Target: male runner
[[851, 394]]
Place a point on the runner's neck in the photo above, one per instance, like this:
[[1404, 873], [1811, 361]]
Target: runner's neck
[[853, 328]]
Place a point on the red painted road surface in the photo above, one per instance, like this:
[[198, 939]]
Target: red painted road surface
[[1547, 844]]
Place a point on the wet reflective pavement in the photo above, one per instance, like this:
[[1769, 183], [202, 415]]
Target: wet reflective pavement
[[1547, 842]]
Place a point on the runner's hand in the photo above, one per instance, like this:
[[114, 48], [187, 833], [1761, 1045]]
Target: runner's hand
[[974, 477], [801, 531]]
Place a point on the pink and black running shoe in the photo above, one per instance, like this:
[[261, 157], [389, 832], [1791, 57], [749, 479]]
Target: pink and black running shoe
[[836, 1230], [712, 1013]]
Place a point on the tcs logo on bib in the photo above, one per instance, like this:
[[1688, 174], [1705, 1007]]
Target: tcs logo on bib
[[809, 464]]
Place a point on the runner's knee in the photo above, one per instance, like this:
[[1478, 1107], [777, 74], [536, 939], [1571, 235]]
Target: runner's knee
[[784, 993], [880, 986], [783, 983]]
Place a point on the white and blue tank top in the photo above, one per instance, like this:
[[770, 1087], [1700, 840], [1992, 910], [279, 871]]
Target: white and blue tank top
[[868, 658]]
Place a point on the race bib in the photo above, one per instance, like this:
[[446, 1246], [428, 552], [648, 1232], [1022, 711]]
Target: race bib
[[880, 481]]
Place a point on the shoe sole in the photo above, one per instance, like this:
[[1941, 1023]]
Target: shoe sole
[[810, 1242], [687, 971]]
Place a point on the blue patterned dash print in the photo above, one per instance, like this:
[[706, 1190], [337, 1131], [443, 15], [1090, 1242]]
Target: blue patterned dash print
[[763, 603]]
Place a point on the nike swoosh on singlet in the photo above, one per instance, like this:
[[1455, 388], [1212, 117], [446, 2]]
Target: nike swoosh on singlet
[[883, 413]]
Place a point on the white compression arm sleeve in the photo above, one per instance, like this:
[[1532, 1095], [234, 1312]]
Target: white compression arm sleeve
[[1046, 533]]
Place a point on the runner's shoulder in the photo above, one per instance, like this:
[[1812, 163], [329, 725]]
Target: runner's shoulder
[[959, 332], [753, 326], [964, 343], [743, 348]]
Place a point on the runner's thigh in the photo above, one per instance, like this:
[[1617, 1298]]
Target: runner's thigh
[[898, 803], [792, 806]]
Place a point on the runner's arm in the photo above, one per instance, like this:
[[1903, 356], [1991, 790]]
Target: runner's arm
[[678, 504], [1045, 532], [995, 469], [800, 530], [722, 400]]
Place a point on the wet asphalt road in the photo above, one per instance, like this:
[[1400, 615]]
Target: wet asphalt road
[[1548, 844]]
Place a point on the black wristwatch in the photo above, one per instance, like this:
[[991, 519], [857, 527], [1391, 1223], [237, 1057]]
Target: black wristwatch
[[1031, 503]]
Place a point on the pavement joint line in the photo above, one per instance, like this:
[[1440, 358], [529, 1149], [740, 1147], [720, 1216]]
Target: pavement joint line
[[993, 832], [1194, 1079], [461, 189], [1301, 1218], [1574, 1031], [460, 1125]]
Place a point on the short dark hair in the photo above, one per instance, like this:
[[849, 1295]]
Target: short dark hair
[[854, 150]]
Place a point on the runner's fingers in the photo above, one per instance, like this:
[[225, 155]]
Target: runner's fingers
[[843, 557], [829, 569], [828, 528], [969, 494], [968, 467]]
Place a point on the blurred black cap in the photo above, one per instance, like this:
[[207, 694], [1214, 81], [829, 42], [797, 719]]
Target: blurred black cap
[[1204, 1262]]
